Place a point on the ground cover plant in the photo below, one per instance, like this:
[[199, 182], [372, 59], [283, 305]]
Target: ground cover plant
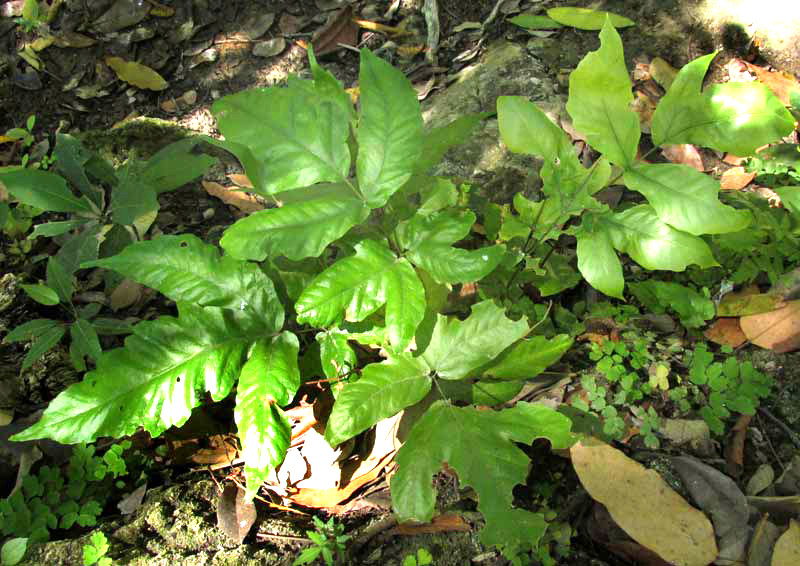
[[364, 247]]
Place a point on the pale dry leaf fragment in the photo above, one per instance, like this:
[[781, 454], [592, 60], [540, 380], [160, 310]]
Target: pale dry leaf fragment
[[662, 72], [685, 154], [132, 501], [736, 178], [643, 505], [787, 549], [136, 74], [240, 199], [777, 330], [726, 331]]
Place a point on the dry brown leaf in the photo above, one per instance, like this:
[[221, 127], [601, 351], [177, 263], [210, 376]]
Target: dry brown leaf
[[235, 515], [736, 178], [787, 549], [684, 153], [125, 294], [738, 71], [240, 180], [326, 498], [726, 331], [734, 449], [780, 83], [778, 330], [644, 505], [731, 159], [340, 28], [446, 522], [240, 199]]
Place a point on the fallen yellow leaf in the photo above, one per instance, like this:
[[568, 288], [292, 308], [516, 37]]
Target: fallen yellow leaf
[[136, 74]]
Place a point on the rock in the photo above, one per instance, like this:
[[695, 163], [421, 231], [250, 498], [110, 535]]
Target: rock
[[505, 69]]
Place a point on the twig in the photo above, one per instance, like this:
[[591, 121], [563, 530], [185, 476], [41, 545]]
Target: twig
[[789, 432]]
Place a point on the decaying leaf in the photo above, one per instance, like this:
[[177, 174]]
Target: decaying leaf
[[726, 331], [235, 515], [787, 549], [777, 330], [662, 72], [782, 84], [339, 28], [136, 74], [736, 178], [229, 195], [746, 302], [644, 505], [685, 154]]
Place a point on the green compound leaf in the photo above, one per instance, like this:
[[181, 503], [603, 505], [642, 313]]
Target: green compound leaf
[[383, 390], [293, 136], [389, 130], [269, 380], [156, 379], [43, 190], [599, 101], [356, 286], [296, 231], [598, 262], [458, 347], [685, 198], [733, 117], [479, 446], [653, 244], [528, 358], [429, 239], [186, 269], [585, 18]]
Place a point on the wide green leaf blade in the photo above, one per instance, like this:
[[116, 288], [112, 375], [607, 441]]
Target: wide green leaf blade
[[457, 347], [356, 286], [269, 380], [429, 239], [82, 247], [42, 344], [652, 243], [71, 158], [685, 198], [479, 446], [42, 294], [599, 101], [43, 190], [383, 390], [389, 130], [59, 280], [335, 354], [733, 117], [585, 18], [790, 198], [156, 378], [50, 229], [175, 165], [599, 264], [528, 358], [186, 269], [295, 231], [85, 337], [30, 330], [525, 129], [296, 134], [133, 201]]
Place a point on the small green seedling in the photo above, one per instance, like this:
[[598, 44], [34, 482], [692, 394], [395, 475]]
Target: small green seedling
[[94, 551], [31, 17], [327, 540], [422, 558]]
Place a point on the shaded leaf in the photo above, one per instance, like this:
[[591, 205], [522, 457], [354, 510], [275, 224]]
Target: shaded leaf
[[59, 280], [479, 446], [175, 165], [41, 344], [43, 190], [30, 330], [42, 294], [437, 141]]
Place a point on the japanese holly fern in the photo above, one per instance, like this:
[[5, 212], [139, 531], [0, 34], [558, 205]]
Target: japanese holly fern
[[361, 247], [682, 202]]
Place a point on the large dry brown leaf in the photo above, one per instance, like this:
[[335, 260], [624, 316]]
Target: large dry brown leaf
[[778, 82], [787, 549], [644, 505], [778, 330], [736, 178], [726, 331], [235, 516]]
